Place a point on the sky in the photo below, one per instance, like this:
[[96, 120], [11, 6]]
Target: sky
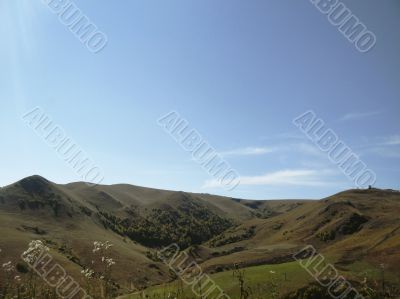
[[239, 72]]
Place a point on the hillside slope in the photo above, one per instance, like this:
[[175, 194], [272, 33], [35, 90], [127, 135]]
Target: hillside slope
[[137, 220], [352, 229]]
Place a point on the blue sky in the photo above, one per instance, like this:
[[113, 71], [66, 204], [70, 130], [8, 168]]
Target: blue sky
[[238, 71]]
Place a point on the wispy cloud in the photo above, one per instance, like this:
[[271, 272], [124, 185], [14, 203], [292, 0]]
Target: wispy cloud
[[297, 177], [392, 140], [358, 115], [248, 151], [284, 136], [19, 21], [300, 147], [386, 147], [385, 152], [307, 149]]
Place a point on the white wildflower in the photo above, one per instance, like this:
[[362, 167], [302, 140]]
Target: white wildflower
[[34, 252], [88, 273], [8, 267], [110, 262], [97, 246]]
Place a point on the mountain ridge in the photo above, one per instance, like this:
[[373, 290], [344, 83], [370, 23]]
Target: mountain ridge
[[350, 227]]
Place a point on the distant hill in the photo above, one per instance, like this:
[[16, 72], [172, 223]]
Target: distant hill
[[352, 228]]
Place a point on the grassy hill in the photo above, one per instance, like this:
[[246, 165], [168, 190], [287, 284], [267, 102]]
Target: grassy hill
[[356, 230]]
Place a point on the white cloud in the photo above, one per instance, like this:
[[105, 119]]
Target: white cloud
[[248, 151], [308, 149], [304, 148], [297, 177], [358, 115], [392, 140], [386, 147], [284, 136], [385, 152]]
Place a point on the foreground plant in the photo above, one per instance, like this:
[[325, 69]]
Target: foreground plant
[[99, 272]]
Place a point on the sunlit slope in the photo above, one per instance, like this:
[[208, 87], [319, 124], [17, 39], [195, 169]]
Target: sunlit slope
[[352, 228]]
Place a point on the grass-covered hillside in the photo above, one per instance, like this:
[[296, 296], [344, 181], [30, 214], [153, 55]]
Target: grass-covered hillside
[[357, 231]]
